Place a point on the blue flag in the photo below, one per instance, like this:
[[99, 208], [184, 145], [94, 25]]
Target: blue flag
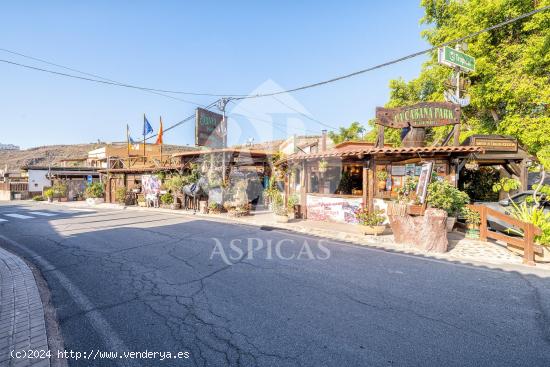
[[147, 128]]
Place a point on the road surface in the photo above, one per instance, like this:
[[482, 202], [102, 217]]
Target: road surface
[[125, 280]]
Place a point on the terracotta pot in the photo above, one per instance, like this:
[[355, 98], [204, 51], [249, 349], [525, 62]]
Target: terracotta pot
[[374, 230], [450, 223]]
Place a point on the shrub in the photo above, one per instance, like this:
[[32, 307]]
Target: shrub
[[94, 190], [59, 189], [293, 200], [166, 199], [443, 195], [214, 207], [120, 195], [537, 216], [49, 193], [471, 216], [38, 198], [366, 218]]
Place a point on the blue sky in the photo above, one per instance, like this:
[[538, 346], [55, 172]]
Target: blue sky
[[218, 47]]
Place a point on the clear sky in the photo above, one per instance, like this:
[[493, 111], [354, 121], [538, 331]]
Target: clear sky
[[222, 47]]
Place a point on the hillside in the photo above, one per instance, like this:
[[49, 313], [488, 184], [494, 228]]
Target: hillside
[[15, 159]]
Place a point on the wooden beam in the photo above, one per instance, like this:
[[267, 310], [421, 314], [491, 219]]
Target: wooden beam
[[365, 184]]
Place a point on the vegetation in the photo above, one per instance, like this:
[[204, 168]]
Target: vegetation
[[38, 198], [59, 189], [382, 175], [407, 192], [214, 207], [278, 204], [166, 199], [49, 193], [506, 184], [509, 90], [471, 216], [292, 201], [366, 218], [95, 190], [443, 195], [354, 132], [323, 165], [535, 215], [120, 195], [478, 184]]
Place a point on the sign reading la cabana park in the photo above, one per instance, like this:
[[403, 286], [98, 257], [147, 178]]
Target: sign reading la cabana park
[[208, 129], [424, 114]]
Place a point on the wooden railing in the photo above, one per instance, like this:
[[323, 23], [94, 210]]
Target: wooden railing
[[14, 186], [527, 242]]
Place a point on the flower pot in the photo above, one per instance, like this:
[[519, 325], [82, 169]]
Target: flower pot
[[450, 223], [472, 232], [281, 218], [381, 185], [291, 215], [373, 230], [142, 204]]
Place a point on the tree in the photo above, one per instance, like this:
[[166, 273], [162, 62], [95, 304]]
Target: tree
[[510, 89], [353, 132]]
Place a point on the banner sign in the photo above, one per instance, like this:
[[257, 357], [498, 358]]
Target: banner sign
[[495, 144], [208, 129], [424, 114], [453, 58], [150, 184], [336, 209], [424, 181]]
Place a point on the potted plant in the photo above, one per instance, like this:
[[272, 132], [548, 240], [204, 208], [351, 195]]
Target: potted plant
[[442, 195], [141, 201], [120, 195], [372, 223], [94, 193], [279, 209], [60, 191], [214, 208], [382, 176], [292, 203], [166, 200], [473, 220], [323, 166], [49, 193]]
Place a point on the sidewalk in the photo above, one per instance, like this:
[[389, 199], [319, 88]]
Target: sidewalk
[[461, 249], [22, 324]]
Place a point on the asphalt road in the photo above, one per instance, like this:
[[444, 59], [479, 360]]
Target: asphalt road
[[143, 281]]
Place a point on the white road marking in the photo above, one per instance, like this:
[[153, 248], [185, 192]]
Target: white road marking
[[3, 220], [18, 216], [43, 214]]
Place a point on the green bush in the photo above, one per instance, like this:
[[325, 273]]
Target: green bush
[[120, 195], [49, 193], [443, 195], [38, 198], [471, 216], [166, 199], [366, 218], [537, 216], [95, 190], [59, 189]]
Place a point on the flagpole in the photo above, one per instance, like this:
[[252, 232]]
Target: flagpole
[[144, 160], [128, 140], [161, 140]]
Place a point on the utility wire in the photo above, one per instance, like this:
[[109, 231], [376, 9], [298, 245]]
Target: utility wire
[[307, 86], [303, 114], [93, 75]]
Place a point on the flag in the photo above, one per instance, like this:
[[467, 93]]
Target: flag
[[159, 136], [147, 129]]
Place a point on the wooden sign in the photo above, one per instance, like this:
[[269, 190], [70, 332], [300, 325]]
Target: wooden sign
[[424, 114], [208, 129], [495, 144]]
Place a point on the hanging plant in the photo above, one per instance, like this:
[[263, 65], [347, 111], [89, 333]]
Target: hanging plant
[[472, 165], [323, 166]]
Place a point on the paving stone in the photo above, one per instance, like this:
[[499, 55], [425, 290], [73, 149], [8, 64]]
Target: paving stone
[[21, 312]]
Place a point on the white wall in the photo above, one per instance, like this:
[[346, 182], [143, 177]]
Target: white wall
[[37, 180]]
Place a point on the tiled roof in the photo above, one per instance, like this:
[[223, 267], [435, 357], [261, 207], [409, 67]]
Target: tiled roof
[[221, 150], [364, 149]]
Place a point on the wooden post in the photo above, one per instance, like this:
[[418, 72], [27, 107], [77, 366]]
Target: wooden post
[[523, 174], [370, 184], [303, 190], [483, 224], [380, 140], [528, 249], [456, 129], [365, 184]]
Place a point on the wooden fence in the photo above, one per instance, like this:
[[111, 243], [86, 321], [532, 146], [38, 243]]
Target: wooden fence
[[527, 242]]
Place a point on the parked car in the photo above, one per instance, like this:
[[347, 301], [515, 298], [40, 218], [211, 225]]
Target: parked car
[[504, 206]]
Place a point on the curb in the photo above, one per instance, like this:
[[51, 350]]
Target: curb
[[22, 322]]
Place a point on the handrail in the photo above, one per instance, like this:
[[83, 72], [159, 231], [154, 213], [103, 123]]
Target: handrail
[[527, 242]]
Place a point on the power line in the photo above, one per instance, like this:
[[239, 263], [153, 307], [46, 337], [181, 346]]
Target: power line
[[303, 114], [94, 75], [395, 61], [307, 86]]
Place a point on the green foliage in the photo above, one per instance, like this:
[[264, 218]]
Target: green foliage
[[166, 199], [366, 218], [537, 216], [214, 207], [478, 184], [443, 195], [354, 132], [381, 175], [49, 193], [471, 216], [120, 194], [506, 184], [38, 198], [278, 203], [59, 189], [510, 88], [407, 191], [95, 190], [292, 201]]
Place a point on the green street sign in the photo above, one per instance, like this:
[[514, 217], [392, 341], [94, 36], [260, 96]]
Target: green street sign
[[453, 58]]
